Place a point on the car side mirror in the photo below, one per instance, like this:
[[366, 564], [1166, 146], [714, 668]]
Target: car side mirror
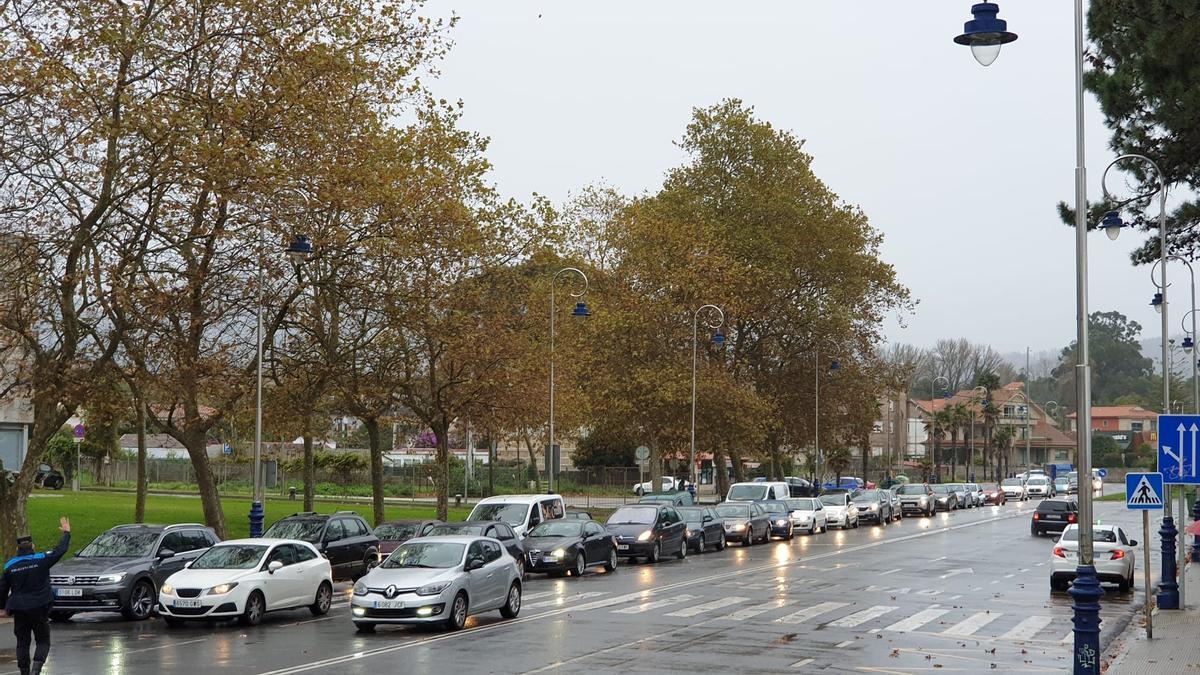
[[473, 564], [1133, 542], [706, 519], [165, 553], [274, 566]]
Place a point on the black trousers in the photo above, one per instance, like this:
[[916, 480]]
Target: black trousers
[[35, 622]]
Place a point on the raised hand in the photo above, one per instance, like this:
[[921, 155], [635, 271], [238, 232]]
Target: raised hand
[[64, 525]]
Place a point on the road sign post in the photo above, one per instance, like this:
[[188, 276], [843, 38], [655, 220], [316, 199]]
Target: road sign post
[[1145, 492], [79, 431], [642, 454]]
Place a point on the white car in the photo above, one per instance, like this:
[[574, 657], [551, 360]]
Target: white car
[[1113, 555], [1039, 486], [808, 514], [666, 484], [840, 511], [245, 579], [1015, 488]]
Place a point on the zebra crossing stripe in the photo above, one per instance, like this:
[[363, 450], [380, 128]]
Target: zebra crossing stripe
[[972, 623], [707, 607], [917, 620], [563, 600], [811, 612], [1027, 628], [863, 616], [751, 612], [647, 606], [535, 596]]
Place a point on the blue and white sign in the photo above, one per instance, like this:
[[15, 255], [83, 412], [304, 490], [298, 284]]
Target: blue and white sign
[[227, 450], [1144, 491], [1177, 436]]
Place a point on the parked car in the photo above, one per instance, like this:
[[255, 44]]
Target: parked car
[[676, 498], [874, 506], [705, 527], [521, 512], [894, 502], [561, 546], [395, 532], [756, 491], [966, 500], [501, 532], [666, 484], [800, 487], [1039, 486], [438, 580], [245, 579], [577, 515], [122, 569], [745, 522], [1054, 515], [944, 498], [48, 477], [342, 537], [994, 494], [780, 517], [976, 491], [808, 514], [1113, 556], [846, 482], [917, 498], [1014, 488], [840, 510], [648, 531]]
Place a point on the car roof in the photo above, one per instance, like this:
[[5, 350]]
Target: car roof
[[515, 499], [451, 539], [259, 541]]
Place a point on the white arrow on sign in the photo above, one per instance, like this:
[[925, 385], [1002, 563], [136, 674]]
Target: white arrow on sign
[[957, 572]]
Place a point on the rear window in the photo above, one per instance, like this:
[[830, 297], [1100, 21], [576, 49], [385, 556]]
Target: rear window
[[1052, 505], [746, 493]]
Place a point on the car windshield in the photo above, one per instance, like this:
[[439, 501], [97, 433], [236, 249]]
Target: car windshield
[[940, 489], [747, 492], [957, 487], [868, 496], [558, 528], [304, 529], [513, 514], [692, 514], [734, 511], [634, 515], [120, 545], [666, 499], [433, 555], [1038, 480], [774, 507], [230, 557], [1011, 482], [835, 499], [443, 529], [1102, 536], [912, 490], [396, 531], [802, 504]]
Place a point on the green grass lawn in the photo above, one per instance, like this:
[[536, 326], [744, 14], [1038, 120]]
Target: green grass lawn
[[94, 512]]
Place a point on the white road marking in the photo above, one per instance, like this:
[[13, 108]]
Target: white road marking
[[1009, 576], [952, 573], [708, 607], [563, 600], [845, 643], [898, 569], [647, 606], [542, 594], [1027, 628], [863, 616], [751, 612], [972, 623], [811, 612], [917, 620], [954, 597], [928, 591], [801, 663]]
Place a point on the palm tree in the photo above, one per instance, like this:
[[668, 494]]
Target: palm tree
[[960, 417], [936, 427], [1002, 441]]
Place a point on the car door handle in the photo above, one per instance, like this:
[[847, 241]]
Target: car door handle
[[491, 575]]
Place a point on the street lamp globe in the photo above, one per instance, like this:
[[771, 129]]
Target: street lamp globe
[[985, 33], [1187, 343], [1157, 303], [581, 311], [718, 338], [835, 365], [1112, 225], [300, 248]]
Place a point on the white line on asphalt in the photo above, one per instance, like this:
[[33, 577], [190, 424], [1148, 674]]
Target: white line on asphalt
[[972, 623], [708, 606], [1027, 628], [647, 606], [812, 612], [354, 656], [751, 612], [929, 591], [844, 643], [540, 594], [1009, 576], [801, 663], [562, 600], [917, 620], [891, 571], [937, 559], [862, 617]]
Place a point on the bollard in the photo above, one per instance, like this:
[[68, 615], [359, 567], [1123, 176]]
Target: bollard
[[292, 493], [458, 500]]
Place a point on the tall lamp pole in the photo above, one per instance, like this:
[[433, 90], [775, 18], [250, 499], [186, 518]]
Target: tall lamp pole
[[580, 312], [717, 338], [937, 469], [971, 461]]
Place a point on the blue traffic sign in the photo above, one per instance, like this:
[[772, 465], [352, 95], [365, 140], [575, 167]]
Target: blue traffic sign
[[1177, 447], [227, 450], [1144, 491]]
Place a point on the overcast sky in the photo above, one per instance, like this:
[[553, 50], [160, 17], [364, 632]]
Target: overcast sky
[[959, 166]]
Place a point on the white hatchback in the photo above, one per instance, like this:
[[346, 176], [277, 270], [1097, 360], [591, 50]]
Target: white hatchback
[[808, 514], [246, 578], [1112, 553]]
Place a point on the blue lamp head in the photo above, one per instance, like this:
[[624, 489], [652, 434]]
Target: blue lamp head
[[300, 248], [718, 338], [985, 33], [581, 310], [1157, 302], [945, 393], [1188, 344], [835, 365], [1112, 225]]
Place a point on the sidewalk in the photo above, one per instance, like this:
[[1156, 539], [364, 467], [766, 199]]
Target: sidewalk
[[1175, 648]]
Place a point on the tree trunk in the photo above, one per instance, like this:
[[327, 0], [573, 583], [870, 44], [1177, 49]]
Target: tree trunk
[[442, 469], [537, 478], [739, 472], [310, 487], [953, 455], [376, 450], [655, 467], [139, 504], [491, 465], [214, 515], [720, 474]]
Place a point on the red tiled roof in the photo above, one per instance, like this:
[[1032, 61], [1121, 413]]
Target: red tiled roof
[[1136, 412]]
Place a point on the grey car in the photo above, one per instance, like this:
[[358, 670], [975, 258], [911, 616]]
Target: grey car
[[965, 499], [874, 506], [438, 580], [122, 569], [897, 511]]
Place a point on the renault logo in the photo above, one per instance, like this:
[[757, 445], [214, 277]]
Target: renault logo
[[390, 592]]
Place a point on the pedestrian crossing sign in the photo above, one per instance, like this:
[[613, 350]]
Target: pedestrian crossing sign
[[1144, 491]]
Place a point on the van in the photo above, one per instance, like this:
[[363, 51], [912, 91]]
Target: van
[[749, 492], [522, 512]]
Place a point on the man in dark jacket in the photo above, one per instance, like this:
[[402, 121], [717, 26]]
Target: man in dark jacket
[[26, 594]]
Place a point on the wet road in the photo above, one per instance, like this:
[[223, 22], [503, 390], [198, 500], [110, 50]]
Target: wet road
[[954, 593]]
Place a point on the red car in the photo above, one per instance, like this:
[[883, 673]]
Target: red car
[[994, 494], [395, 532]]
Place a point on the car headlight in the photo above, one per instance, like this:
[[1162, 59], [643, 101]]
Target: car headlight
[[924, 499], [110, 578], [739, 526], [558, 553], [781, 521], [167, 589], [360, 588], [645, 536], [433, 589], [222, 589], [874, 507]]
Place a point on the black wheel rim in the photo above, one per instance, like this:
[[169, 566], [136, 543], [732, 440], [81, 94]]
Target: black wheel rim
[[141, 602]]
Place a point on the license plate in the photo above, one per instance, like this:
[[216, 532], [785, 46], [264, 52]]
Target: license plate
[[69, 592], [622, 547], [389, 604], [1053, 517], [187, 604]]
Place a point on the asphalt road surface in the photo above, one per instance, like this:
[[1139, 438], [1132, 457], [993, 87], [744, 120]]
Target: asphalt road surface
[[961, 592]]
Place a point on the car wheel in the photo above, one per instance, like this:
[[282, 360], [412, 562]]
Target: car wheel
[[1034, 531], [611, 565], [856, 523], [141, 602], [513, 606], [655, 553], [700, 545], [458, 612], [1058, 585], [682, 549], [364, 627], [638, 491], [60, 616], [521, 569], [173, 622], [580, 563], [791, 532], [721, 543], [323, 599], [256, 606]]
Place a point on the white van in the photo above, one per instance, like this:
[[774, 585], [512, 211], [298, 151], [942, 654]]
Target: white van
[[522, 512], [749, 492]]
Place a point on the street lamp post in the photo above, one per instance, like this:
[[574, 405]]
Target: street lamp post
[[580, 312], [937, 469], [971, 461], [719, 339]]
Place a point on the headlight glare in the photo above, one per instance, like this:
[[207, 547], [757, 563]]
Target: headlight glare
[[558, 552], [167, 589], [645, 536], [433, 589], [110, 578], [222, 589]]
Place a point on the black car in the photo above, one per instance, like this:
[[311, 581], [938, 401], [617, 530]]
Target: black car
[[649, 531], [573, 514], [560, 546], [395, 532], [745, 522], [122, 569], [780, 517], [1053, 515], [502, 532], [799, 487], [704, 528], [342, 537]]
